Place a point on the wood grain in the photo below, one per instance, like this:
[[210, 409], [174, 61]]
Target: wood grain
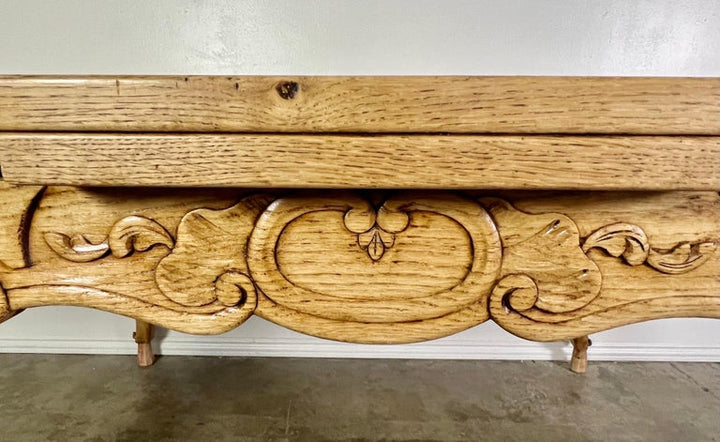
[[388, 161], [202, 261], [570, 105], [644, 294], [372, 266], [16, 206], [307, 254]]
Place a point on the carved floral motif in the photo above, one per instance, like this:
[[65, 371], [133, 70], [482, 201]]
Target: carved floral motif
[[380, 235]]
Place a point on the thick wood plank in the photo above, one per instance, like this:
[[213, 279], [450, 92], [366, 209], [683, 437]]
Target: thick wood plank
[[571, 105], [345, 161]]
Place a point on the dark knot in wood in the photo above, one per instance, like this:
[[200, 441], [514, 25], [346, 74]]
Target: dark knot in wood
[[288, 90]]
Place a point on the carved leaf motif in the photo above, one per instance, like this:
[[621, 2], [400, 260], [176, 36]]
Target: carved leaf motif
[[137, 233], [76, 248], [371, 242], [682, 258], [542, 261], [208, 262], [375, 230], [127, 235], [631, 242], [376, 241], [621, 239]]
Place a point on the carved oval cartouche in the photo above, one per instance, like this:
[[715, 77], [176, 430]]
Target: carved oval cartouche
[[415, 257], [431, 256]]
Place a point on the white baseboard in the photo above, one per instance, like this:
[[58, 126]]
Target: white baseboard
[[68, 330], [217, 346]]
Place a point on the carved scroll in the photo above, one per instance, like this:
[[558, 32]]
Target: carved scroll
[[549, 284], [17, 205], [360, 267], [4, 305]]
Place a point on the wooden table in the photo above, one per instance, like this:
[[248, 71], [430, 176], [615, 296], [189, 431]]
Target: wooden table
[[363, 209]]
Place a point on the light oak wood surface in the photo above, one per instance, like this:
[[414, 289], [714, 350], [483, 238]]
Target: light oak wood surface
[[181, 214], [570, 105], [353, 161], [367, 266]]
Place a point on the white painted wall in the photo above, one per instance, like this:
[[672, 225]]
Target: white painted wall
[[521, 37]]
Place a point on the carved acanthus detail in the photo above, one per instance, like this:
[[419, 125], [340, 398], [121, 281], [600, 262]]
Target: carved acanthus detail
[[137, 233], [208, 265], [76, 248], [631, 242], [132, 233], [545, 249]]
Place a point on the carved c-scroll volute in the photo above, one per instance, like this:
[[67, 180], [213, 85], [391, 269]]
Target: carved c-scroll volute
[[4, 305], [16, 206]]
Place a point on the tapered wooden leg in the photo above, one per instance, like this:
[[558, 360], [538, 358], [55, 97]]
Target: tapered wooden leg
[[143, 337], [579, 361]]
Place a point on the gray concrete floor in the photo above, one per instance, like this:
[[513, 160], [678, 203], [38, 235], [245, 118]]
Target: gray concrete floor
[[99, 398]]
